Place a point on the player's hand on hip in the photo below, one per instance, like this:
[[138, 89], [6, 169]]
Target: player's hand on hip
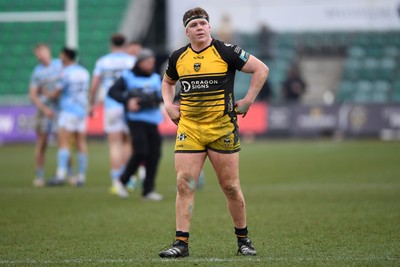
[[173, 112], [242, 107], [48, 112]]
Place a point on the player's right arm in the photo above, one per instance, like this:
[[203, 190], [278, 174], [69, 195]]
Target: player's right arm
[[94, 86], [168, 87], [96, 80], [34, 96], [168, 94]]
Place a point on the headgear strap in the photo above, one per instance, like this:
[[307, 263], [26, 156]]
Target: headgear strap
[[195, 17]]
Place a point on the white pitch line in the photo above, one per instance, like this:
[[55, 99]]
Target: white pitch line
[[200, 260]]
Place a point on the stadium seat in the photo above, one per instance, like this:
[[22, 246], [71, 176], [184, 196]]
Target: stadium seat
[[374, 51], [371, 62], [364, 85], [396, 96], [361, 97], [379, 97], [345, 93], [362, 93], [356, 52], [391, 51], [388, 63], [396, 85], [286, 40]]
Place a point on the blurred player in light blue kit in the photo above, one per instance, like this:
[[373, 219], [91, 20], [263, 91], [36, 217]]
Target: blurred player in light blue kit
[[107, 70], [72, 92], [44, 77]]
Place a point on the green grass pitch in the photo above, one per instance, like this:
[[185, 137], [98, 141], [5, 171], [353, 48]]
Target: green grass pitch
[[309, 203]]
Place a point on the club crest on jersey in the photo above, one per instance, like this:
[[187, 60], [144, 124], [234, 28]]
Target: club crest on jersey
[[227, 141], [197, 66], [181, 137]]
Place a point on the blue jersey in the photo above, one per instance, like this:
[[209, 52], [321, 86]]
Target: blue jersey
[[109, 68], [46, 77], [147, 85], [74, 84]]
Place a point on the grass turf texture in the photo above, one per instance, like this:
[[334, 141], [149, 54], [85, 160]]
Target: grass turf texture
[[311, 203]]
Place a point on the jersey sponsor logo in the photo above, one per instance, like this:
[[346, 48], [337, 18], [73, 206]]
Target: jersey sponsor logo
[[244, 56], [197, 66], [198, 57], [197, 84], [185, 86]]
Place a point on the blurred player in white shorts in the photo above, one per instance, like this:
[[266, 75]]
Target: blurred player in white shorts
[[44, 77], [71, 122], [73, 96], [107, 70]]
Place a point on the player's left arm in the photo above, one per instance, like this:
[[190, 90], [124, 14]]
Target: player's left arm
[[259, 73]]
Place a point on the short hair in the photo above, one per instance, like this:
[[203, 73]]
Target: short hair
[[70, 53], [194, 13], [134, 42], [117, 39], [42, 45]]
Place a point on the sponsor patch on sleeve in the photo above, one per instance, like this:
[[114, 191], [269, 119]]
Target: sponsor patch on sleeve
[[244, 56]]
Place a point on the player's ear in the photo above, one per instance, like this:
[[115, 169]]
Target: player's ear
[[187, 32]]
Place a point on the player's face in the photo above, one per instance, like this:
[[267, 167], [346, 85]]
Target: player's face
[[43, 54], [134, 49], [64, 59], [198, 31]]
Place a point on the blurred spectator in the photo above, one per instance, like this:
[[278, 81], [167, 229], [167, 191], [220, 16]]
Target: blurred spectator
[[225, 30], [265, 42], [294, 86], [265, 93], [133, 48], [139, 90]]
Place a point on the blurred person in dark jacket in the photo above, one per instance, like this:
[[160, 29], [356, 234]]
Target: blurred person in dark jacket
[[139, 90], [294, 86]]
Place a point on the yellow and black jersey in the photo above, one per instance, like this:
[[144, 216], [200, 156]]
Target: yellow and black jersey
[[207, 79]]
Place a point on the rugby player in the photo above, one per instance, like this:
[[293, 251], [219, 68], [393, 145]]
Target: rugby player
[[72, 92], [207, 122], [44, 77], [107, 70]]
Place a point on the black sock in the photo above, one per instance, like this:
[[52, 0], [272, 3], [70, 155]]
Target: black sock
[[241, 233], [183, 237]]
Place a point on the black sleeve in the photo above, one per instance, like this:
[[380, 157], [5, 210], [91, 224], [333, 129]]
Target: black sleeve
[[171, 72], [118, 91], [234, 55]]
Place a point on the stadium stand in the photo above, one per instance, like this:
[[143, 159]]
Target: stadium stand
[[372, 65], [17, 39], [96, 23], [371, 72]]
